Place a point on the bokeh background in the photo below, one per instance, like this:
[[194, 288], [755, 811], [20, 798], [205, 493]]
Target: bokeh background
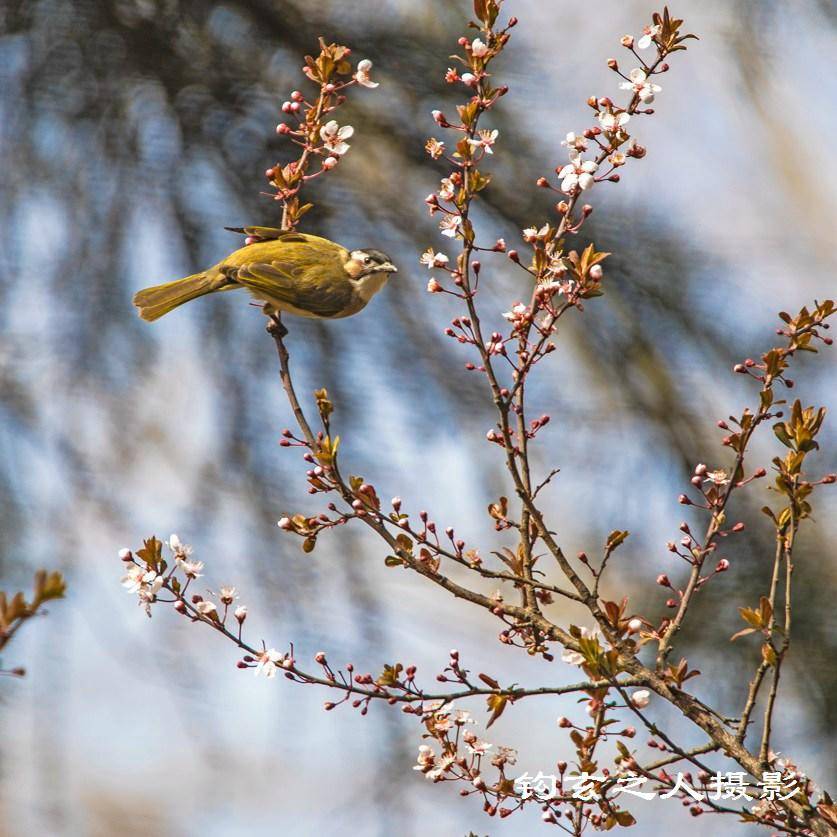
[[131, 133]]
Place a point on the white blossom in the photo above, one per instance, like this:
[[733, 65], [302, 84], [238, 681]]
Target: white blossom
[[449, 225], [577, 173], [517, 313], [640, 85], [431, 259], [426, 757], [206, 608], [447, 189], [573, 140], [641, 698], [612, 122], [434, 148], [477, 746], [267, 661], [574, 658], [648, 36], [531, 234], [485, 140], [179, 549], [478, 48], [192, 568], [362, 74], [334, 137], [719, 477]]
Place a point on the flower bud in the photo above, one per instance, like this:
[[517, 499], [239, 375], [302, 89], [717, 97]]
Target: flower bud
[[722, 566], [627, 41]]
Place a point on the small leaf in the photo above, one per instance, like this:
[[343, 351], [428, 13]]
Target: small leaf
[[496, 705]]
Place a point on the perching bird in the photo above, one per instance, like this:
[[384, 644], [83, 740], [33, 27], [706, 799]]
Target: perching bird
[[295, 272]]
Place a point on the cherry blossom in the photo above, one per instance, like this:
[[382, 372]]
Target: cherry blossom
[[446, 189], [531, 234], [577, 173], [640, 85], [574, 140], [450, 224], [334, 137], [612, 122], [478, 48], [649, 33], [179, 549], [266, 663], [362, 74], [434, 148], [430, 259], [486, 140]]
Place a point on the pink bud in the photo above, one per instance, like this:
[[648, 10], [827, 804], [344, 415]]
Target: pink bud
[[329, 163], [722, 566], [662, 580]]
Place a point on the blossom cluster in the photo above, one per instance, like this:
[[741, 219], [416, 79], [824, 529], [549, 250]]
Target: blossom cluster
[[309, 124]]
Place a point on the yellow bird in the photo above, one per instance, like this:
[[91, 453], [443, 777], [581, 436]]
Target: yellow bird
[[302, 274]]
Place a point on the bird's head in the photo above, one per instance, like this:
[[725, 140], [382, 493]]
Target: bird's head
[[363, 263]]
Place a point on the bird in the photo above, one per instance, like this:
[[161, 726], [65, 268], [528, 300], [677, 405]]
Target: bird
[[290, 272]]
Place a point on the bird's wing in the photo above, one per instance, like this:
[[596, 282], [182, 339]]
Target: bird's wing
[[300, 286], [274, 234]]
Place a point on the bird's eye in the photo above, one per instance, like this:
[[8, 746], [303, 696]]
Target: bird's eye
[[367, 260]]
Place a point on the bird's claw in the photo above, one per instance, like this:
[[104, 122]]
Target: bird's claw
[[275, 326]]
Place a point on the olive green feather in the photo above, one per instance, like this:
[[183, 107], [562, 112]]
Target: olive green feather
[[160, 299]]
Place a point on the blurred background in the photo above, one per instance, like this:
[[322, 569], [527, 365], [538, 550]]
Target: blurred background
[[131, 133]]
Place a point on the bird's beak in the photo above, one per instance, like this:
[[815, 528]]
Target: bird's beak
[[389, 267]]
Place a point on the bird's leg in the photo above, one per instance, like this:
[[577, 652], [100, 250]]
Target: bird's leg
[[275, 326]]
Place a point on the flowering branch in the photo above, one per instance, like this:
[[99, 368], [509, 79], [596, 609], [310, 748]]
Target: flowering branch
[[617, 679]]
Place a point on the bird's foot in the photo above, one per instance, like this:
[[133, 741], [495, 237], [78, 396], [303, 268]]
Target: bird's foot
[[275, 326]]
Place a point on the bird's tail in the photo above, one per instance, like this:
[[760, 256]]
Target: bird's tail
[[160, 299]]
